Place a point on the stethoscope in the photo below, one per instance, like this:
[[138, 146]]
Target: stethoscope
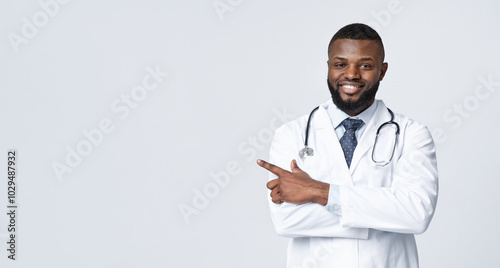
[[308, 151]]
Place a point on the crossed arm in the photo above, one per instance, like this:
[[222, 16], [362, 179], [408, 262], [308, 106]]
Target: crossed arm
[[300, 216], [295, 187], [405, 206]]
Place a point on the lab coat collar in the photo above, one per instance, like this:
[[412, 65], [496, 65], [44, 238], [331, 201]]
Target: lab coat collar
[[322, 120], [324, 135], [337, 116], [367, 140]]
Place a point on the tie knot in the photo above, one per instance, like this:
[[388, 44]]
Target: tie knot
[[352, 124]]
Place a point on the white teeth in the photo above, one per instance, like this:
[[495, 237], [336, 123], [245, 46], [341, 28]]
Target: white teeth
[[349, 87]]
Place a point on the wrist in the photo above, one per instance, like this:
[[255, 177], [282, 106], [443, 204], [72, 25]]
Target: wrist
[[320, 193]]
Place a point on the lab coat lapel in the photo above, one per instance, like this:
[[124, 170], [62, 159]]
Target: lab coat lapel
[[328, 142], [365, 144]]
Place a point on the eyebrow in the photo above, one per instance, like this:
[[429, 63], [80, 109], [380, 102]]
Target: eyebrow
[[366, 59], [362, 59]]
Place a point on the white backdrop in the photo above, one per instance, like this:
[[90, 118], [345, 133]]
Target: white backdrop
[[125, 113]]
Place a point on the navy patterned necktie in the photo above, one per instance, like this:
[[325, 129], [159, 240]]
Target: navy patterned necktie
[[348, 141]]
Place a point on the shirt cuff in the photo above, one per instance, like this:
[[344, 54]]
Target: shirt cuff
[[333, 204]]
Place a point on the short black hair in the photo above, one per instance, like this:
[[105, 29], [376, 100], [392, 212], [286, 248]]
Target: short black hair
[[358, 31]]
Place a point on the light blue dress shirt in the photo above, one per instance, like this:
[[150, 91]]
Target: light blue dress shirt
[[336, 117]]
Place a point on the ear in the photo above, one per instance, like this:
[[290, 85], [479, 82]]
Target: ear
[[383, 69]]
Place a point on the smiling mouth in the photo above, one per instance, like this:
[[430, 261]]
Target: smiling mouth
[[350, 88]]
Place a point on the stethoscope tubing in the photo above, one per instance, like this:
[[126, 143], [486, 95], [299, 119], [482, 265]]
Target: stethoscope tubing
[[308, 124], [308, 151]]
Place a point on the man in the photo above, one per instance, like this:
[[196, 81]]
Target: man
[[353, 203]]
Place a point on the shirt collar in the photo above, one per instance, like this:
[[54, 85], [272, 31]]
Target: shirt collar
[[337, 115]]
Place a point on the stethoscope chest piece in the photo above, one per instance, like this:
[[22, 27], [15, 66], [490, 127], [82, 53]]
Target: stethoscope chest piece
[[306, 151]]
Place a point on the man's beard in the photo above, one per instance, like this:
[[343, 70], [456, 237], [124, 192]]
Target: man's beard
[[353, 107]]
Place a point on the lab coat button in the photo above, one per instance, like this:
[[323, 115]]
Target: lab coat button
[[336, 207]]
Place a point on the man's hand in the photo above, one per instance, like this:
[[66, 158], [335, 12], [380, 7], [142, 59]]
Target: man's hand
[[295, 187]]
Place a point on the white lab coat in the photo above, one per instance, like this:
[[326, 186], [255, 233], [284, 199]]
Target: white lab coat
[[382, 207]]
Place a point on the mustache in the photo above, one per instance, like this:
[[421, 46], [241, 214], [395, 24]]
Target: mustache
[[339, 83], [349, 106]]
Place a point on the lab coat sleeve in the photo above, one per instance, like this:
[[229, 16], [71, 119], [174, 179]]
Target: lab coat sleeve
[[408, 204], [305, 220]]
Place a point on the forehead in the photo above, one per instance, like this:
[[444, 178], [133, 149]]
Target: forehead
[[353, 49]]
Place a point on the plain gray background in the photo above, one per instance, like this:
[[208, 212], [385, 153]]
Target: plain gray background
[[234, 68]]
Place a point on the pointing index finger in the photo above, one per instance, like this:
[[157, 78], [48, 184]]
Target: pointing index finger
[[272, 168]]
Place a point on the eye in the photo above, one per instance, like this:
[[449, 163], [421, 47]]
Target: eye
[[339, 65], [366, 66]]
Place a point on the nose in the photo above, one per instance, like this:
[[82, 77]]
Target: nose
[[352, 72]]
